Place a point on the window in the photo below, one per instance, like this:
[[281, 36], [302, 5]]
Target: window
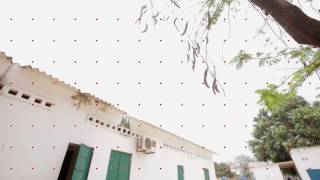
[[13, 92], [119, 166], [25, 96], [97, 121], [76, 163], [48, 104], [206, 174], [90, 118], [180, 172], [1, 86], [38, 101]]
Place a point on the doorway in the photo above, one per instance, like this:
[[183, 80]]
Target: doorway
[[76, 163]]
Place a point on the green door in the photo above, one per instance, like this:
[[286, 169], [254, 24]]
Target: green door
[[83, 162], [180, 172], [119, 166], [206, 174]]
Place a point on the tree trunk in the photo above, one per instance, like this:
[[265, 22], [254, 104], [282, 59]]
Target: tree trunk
[[302, 28]]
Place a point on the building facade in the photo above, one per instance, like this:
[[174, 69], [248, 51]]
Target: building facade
[[307, 161], [50, 130]]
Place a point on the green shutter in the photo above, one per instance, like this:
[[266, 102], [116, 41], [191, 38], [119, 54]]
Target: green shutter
[[83, 162], [119, 166], [206, 174], [180, 173]]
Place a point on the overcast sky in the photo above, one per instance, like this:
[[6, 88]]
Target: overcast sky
[[97, 41]]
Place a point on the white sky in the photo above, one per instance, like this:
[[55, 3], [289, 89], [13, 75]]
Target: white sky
[[224, 125]]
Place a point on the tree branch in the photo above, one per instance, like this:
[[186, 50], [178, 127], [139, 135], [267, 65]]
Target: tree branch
[[302, 28]]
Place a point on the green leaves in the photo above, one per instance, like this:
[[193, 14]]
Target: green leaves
[[292, 123], [271, 97], [240, 59]]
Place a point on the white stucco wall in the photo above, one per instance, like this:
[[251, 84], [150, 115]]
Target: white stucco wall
[[264, 171], [306, 158], [34, 139]]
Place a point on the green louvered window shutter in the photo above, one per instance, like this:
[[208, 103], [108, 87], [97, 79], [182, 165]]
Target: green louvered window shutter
[[83, 162], [119, 166], [180, 172], [206, 174]]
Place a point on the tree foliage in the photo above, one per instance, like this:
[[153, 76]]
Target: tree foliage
[[291, 123], [223, 170], [241, 165], [196, 32]]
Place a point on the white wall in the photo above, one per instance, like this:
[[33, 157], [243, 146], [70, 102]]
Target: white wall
[[34, 139], [306, 158], [264, 171]]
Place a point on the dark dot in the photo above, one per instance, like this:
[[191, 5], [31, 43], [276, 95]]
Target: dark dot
[[53, 19], [160, 40], [118, 19]]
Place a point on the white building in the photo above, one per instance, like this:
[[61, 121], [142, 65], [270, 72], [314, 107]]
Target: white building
[[265, 171], [50, 130], [307, 161]]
